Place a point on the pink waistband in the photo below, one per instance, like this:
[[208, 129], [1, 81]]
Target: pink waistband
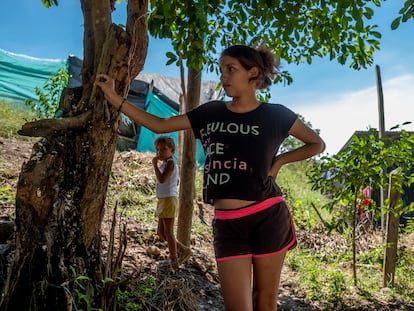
[[246, 211]]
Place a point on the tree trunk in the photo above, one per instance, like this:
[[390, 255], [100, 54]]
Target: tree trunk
[[62, 188], [188, 167], [49, 231]]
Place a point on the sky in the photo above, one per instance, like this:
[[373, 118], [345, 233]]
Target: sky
[[335, 99]]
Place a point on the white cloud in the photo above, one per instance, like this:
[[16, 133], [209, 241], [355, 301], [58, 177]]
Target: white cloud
[[340, 117]]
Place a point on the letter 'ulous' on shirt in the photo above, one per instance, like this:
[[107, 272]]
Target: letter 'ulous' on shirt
[[240, 148]]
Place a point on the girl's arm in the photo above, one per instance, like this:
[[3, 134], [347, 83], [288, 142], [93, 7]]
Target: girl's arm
[[161, 177], [150, 121], [313, 145]]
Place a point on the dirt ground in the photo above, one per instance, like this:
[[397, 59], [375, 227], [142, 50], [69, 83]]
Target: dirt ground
[[198, 276]]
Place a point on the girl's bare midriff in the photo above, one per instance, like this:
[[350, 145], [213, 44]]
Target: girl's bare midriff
[[231, 203]]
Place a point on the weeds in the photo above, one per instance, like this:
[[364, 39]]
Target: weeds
[[133, 300], [324, 269], [138, 206], [82, 292], [7, 195], [327, 279], [12, 117]]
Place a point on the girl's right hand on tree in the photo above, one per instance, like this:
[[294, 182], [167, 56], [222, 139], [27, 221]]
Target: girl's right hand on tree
[[106, 83]]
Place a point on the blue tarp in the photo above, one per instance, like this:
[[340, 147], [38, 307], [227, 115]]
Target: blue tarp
[[146, 139]]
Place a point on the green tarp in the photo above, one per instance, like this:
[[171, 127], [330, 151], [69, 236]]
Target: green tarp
[[21, 74], [34, 71]]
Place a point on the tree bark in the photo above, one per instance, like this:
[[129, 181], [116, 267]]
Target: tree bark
[[188, 167], [62, 188], [48, 227]]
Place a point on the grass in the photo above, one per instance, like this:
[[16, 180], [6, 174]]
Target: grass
[[329, 280], [298, 194], [11, 120], [325, 276], [7, 194], [12, 117]]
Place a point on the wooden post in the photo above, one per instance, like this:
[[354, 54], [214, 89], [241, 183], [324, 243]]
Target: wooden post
[[381, 133], [390, 254]]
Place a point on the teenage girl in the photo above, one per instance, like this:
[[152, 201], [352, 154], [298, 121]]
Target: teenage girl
[[252, 225]]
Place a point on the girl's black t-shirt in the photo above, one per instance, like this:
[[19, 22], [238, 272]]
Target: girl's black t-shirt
[[240, 148]]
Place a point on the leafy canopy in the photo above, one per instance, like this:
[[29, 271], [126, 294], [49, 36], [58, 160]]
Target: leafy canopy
[[296, 30]]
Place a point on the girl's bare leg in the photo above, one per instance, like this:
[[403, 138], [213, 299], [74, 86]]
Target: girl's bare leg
[[235, 280], [266, 279], [168, 224], [160, 230]]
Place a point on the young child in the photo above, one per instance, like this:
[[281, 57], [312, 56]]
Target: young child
[[253, 228], [166, 171]]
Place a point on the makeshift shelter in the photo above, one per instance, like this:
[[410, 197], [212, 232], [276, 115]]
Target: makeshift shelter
[[157, 94]]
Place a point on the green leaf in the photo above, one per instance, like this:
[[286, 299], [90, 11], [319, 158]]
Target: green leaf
[[170, 61], [395, 23], [376, 34], [49, 3], [170, 55], [369, 13]]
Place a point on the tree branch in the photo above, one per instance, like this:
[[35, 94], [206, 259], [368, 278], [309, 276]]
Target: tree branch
[[49, 127], [137, 28]]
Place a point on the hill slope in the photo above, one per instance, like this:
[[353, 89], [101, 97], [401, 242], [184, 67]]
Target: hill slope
[[195, 286]]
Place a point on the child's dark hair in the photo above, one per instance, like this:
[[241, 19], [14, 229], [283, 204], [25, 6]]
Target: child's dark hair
[[262, 58], [165, 140]]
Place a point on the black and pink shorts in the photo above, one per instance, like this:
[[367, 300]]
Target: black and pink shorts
[[258, 230]]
